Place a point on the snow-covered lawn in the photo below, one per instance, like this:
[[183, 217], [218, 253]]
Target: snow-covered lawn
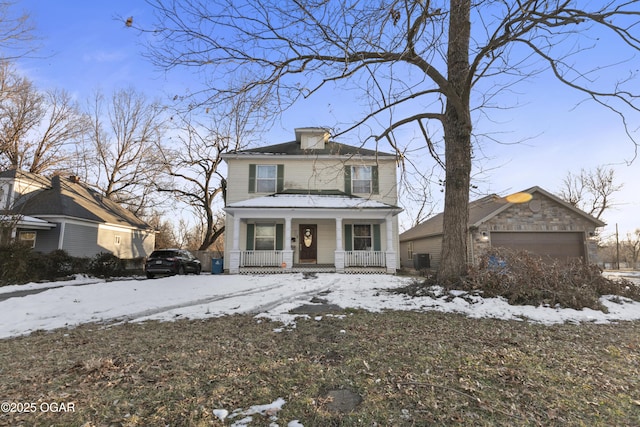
[[84, 300]]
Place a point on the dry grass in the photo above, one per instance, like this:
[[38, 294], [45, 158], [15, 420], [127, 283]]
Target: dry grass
[[410, 369]]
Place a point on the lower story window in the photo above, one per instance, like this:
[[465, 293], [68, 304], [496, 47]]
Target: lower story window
[[362, 237], [265, 237], [410, 250], [28, 238]]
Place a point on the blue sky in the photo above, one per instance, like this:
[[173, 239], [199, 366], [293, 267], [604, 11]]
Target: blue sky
[[83, 47]]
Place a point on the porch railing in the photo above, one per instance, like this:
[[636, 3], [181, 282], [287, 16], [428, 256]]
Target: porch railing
[[261, 259], [364, 259]]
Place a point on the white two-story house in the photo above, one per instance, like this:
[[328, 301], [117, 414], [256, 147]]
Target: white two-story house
[[311, 205]]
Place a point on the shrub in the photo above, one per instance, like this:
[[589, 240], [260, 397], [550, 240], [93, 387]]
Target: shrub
[[523, 278], [20, 264], [61, 264], [51, 266], [106, 265], [14, 264]]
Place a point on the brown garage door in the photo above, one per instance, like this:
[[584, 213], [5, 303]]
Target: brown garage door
[[555, 245]]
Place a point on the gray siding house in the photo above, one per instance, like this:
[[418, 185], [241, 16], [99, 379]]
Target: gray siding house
[[63, 213], [546, 225]]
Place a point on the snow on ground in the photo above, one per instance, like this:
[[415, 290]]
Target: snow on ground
[[85, 300], [268, 410]]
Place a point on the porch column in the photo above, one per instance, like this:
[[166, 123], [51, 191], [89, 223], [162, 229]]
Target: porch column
[[390, 255], [63, 226], [234, 253], [339, 254], [236, 233], [287, 252]]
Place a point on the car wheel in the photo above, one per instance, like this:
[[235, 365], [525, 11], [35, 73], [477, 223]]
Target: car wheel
[[149, 276], [198, 269], [181, 270]]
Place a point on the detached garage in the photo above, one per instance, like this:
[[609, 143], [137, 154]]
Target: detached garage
[[545, 225]]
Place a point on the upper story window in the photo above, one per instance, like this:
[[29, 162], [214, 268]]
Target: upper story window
[[266, 178], [361, 179]]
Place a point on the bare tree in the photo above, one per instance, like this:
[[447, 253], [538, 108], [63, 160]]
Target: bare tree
[[631, 248], [415, 192], [165, 231], [16, 32], [590, 190], [125, 133], [193, 162], [62, 128], [38, 130], [196, 180], [21, 110], [417, 62]]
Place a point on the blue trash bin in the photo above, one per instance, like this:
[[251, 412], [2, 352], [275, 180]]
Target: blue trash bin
[[216, 265]]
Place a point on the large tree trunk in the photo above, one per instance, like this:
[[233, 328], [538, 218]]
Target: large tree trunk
[[457, 136]]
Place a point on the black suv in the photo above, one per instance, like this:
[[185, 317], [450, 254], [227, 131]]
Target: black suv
[[171, 261]]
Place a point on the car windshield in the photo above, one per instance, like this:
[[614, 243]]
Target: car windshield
[[163, 254]]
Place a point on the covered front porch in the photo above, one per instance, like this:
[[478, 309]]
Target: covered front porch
[[294, 237]]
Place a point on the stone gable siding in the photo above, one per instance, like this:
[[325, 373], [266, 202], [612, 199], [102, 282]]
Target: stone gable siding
[[540, 214], [550, 216]]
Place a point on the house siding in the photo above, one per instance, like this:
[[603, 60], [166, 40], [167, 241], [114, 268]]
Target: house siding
[[426, 245], [132, 243], [81, 240], [46, 240], [304, 174]]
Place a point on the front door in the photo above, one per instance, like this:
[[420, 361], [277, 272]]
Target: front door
[[308, 244]]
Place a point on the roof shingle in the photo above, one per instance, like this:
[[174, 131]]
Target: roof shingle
[[331, 148], [69, 198]]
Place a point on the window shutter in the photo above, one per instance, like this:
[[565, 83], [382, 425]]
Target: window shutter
[[250, 234], [376, 237], [280, 181], [375, 189], [348, 237], [347, 180], [279, 237], [252, 178]]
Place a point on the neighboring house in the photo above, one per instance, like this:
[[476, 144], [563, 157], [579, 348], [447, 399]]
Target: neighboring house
[[63, 213], [311, 205], [546, 225]]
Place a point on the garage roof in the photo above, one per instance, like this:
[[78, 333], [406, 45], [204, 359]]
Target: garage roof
[[484, 209]]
